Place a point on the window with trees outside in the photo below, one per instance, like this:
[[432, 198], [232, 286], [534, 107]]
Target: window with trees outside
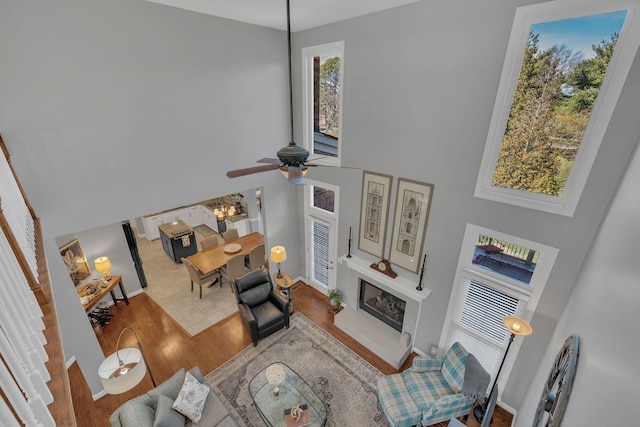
[[322, 99], [497, 275], [565, 67]]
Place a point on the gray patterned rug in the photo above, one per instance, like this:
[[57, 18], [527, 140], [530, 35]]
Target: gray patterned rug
[[344, 381]]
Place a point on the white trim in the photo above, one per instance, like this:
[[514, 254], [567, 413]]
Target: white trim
[[616, 75], [335, 49], [70, 362], [546, 259]]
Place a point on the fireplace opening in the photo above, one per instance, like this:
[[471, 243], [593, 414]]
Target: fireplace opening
[[382, 305]]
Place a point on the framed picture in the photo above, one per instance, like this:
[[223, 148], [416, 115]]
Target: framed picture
[[374, 209], [75, 261], [413, 202]]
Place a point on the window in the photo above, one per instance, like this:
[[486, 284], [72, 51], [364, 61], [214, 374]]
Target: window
[[497, 275], [563, 73], [322, 97]]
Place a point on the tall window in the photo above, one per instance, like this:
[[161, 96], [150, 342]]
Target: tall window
[[497, 275], [563, 73], [322, 80]]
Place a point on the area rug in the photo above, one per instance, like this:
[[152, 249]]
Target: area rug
[[205, 230], [344, 381]]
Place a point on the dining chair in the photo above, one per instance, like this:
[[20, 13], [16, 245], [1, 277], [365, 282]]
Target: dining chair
[[230, 234], [199, 278], [211, 241], [234, 268], [256, 258]]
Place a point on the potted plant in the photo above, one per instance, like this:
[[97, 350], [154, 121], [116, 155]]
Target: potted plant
[[335, 298]]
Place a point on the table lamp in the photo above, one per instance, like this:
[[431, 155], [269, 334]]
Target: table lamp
[[278, 255], [103, 265], [125, 368], [517, 326]]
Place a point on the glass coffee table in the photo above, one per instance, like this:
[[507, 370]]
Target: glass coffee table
[[292, 391]]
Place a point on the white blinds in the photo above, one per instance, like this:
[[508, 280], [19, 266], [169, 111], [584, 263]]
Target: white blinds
[[480, 306], [320, 235], [17, 214], [23, 374]]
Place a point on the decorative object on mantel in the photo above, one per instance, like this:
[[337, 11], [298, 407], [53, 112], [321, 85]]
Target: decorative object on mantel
[[335, 298], [349, 247], [374, 209], [424, 261], [413, 202], [384, 267]]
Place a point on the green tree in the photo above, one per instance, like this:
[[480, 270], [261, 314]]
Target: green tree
[[329, 96]]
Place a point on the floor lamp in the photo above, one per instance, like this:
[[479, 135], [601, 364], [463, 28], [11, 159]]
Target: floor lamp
[[125, 368], [516, 326]]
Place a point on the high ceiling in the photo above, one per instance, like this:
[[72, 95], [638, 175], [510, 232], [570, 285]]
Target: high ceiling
[[305, 14]]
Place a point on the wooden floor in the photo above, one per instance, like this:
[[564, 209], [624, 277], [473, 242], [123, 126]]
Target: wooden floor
[[168, 348]]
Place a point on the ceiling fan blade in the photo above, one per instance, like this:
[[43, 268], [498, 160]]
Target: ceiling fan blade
[[248, 171], [268, 160], [330, 166], [295, 175]]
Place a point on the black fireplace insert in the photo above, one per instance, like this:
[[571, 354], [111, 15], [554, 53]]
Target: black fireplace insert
[[382, 305]]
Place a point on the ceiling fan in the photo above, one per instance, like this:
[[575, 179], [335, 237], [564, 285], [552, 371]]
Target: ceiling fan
[[292, 159]]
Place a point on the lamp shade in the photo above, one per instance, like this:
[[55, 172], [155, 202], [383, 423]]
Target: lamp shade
[[517, 326], [278, 254], [117, 379], [102, 264]]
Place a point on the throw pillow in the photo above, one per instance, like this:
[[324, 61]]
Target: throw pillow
[[169, 388], [453, 366], [191, 399], [165, 415]]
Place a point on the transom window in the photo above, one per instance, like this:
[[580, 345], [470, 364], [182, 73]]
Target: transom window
[[322, 80], [563, 73]]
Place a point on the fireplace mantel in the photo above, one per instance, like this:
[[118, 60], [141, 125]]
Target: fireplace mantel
[[400, 284], [371, 332]]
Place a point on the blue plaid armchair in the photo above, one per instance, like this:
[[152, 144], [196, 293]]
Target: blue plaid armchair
[[429, 392]]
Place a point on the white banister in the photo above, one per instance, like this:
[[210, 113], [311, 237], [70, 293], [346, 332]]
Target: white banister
[[17, 400]]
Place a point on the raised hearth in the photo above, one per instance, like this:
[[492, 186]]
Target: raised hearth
[[375, 334]]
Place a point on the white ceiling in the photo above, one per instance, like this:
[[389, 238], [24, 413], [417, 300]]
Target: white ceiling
[[305, 14]]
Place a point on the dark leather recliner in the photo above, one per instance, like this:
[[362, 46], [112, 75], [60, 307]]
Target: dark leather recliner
[[263, 310]]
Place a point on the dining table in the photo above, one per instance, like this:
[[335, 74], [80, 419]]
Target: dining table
[[212, 259]]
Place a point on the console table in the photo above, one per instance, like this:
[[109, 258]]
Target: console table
[[112, 282]]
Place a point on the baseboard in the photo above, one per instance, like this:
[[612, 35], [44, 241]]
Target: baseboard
[[70, 362], [98, 395]]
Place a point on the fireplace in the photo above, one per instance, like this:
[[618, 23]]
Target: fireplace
[[382, 305]]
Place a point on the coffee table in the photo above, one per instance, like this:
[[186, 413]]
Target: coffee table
[[293, 391]]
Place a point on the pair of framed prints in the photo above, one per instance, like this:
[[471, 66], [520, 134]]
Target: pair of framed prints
[[411, 213]]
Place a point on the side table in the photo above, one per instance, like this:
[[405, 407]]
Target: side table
[[284, 283]]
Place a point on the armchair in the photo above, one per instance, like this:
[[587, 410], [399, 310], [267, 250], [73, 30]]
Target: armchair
[[263, 310], [432, 390]]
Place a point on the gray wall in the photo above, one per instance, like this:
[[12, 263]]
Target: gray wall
[[114, 109], [603, 312], [420, 83]]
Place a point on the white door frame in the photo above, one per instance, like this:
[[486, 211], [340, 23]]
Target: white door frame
[[311, 214]]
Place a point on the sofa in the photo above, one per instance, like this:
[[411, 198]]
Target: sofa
[[153, 408]]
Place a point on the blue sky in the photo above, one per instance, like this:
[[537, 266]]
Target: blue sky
[[579, 34]]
